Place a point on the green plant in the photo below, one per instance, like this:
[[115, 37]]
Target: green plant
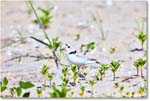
[[46, 16], [142, 91], [65, 71], [102, 70], [96, 76], [141, 36], [92, 83], [82, 88], [112, 50], [50, 76], [99, 23], [77, 37], [75, 73], [139, 64], [116, 85], [85, 74], [121, 89], [3, 84], [17, 90], [44, 72], [87, 47], [132, 94], [39, 91], [114, 66], [64, 80], [59, 92]]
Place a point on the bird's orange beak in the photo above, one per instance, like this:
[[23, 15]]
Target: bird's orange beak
[[64, 49]]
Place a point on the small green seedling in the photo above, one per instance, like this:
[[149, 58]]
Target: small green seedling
[[82, 88], [50, 76], [139, 64], [46, 16], [112, 50], [44, 72], [121, 89], [116, 85], [142, 36], [142, 91], [59, 92], [17, 90], [92, 83], [65, 71], [85, 74], [114, 66], [75, 73], [77, 37], [39, 91], [101, 73], [87, 47], [64, 80], [12, 91], [96, 76], [102, 69], [3, 84], [132, 94]]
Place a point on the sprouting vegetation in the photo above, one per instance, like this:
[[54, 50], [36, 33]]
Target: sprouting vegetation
[[44, 72], [102, 70], [46, 16], [75, 73], [39, 91], [142, 91], [59, 92], [50, 76], [92, 83], [99, 23], [112, 50], [114, 66], [82, 88], [77, 37], [87, 47], [68, 80], [139, 64], [18, 91], [141, 34]]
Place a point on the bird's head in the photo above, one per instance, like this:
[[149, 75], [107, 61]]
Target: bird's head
[[68, 49]]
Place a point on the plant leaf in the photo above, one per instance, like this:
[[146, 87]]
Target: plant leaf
[[26, 85], [19, 91], [27, 94], [5, 81]]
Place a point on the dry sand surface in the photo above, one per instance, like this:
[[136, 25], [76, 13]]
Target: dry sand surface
[[70, 18]]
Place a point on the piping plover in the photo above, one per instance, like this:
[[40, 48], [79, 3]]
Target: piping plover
[[77, 59]]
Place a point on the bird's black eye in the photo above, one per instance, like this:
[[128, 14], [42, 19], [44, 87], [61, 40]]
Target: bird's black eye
[[67, 45]]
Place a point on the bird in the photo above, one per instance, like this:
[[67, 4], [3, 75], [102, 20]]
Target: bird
[[74, 58]]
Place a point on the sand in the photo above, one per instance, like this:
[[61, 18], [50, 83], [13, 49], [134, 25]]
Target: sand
[[69, 19]]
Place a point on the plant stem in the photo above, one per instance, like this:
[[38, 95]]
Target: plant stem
[[50, 84], [142, 46], [74, 82], [142, 73], [42, 26], [92, 92], [137, 71], [114, 76], [101, 77]]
